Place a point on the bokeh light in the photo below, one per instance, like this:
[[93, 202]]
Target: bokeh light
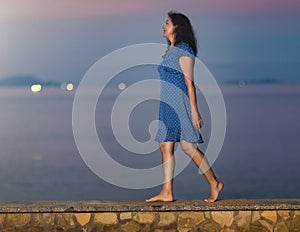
[[35, 88]]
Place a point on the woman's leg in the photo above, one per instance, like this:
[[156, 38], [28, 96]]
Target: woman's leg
[[201, 162], [167, 152]]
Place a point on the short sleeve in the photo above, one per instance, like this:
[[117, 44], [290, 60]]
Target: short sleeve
[[185, 50]]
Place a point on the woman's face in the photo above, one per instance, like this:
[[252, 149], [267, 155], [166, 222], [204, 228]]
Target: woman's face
[[168, 29]]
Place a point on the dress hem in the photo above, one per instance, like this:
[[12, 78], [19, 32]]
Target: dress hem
[[176, 140]]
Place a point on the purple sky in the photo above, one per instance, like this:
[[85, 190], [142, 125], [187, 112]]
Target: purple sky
[[60, 40], [57, 9]]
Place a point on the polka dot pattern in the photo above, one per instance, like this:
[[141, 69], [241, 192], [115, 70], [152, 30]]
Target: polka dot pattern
[[175, 123]]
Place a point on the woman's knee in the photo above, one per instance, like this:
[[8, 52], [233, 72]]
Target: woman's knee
[[188, 148], [166, 147]]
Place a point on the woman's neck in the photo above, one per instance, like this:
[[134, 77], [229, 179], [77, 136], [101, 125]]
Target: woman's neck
[[172, 41]]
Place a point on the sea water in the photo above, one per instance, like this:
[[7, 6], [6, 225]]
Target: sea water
[[40, 161]]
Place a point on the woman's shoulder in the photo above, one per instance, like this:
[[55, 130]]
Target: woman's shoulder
[[185, 47]]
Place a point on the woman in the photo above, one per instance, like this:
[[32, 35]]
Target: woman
[[179, 117]]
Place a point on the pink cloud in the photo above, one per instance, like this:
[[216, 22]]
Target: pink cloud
[[254, 5], [58, 9]]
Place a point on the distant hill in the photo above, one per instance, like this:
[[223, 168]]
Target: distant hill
[[26, 80], [254, 81]]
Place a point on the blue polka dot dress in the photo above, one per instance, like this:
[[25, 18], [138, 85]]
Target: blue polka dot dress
[[175, 122]]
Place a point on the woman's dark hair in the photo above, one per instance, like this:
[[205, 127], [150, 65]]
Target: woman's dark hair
[[184, 31]]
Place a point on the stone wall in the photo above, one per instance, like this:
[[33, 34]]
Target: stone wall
[[225, 216]]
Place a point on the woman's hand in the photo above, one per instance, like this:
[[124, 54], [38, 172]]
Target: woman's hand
[[196, 119]]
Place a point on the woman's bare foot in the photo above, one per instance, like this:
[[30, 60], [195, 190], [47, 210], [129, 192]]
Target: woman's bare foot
[[161, 197], [215, 190]]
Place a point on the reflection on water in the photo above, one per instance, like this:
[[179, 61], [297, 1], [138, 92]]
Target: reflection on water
[[40, 161]]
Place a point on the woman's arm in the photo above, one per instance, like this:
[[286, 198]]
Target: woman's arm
[[187, 67]]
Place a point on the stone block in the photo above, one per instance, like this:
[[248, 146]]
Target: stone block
[[223, 218], [125, 216], [166, 218], [284, 214], [210, 226], [297, 213], [2, 219], [43, 219], [35, 229], [254, 228], [281, 227], [65, 220], [207, 215], [295, 224], [227, 230], [8, 229], [144, 217], [18, 219], [83, 218], [184, 229], [131, 226], [110, 228], [270, 215], [106, 218], [243, 219], [146, 228], [255, 216], [190, 219], [267, 225]]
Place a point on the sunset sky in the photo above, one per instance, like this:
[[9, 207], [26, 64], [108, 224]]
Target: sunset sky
[[61, 39]]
